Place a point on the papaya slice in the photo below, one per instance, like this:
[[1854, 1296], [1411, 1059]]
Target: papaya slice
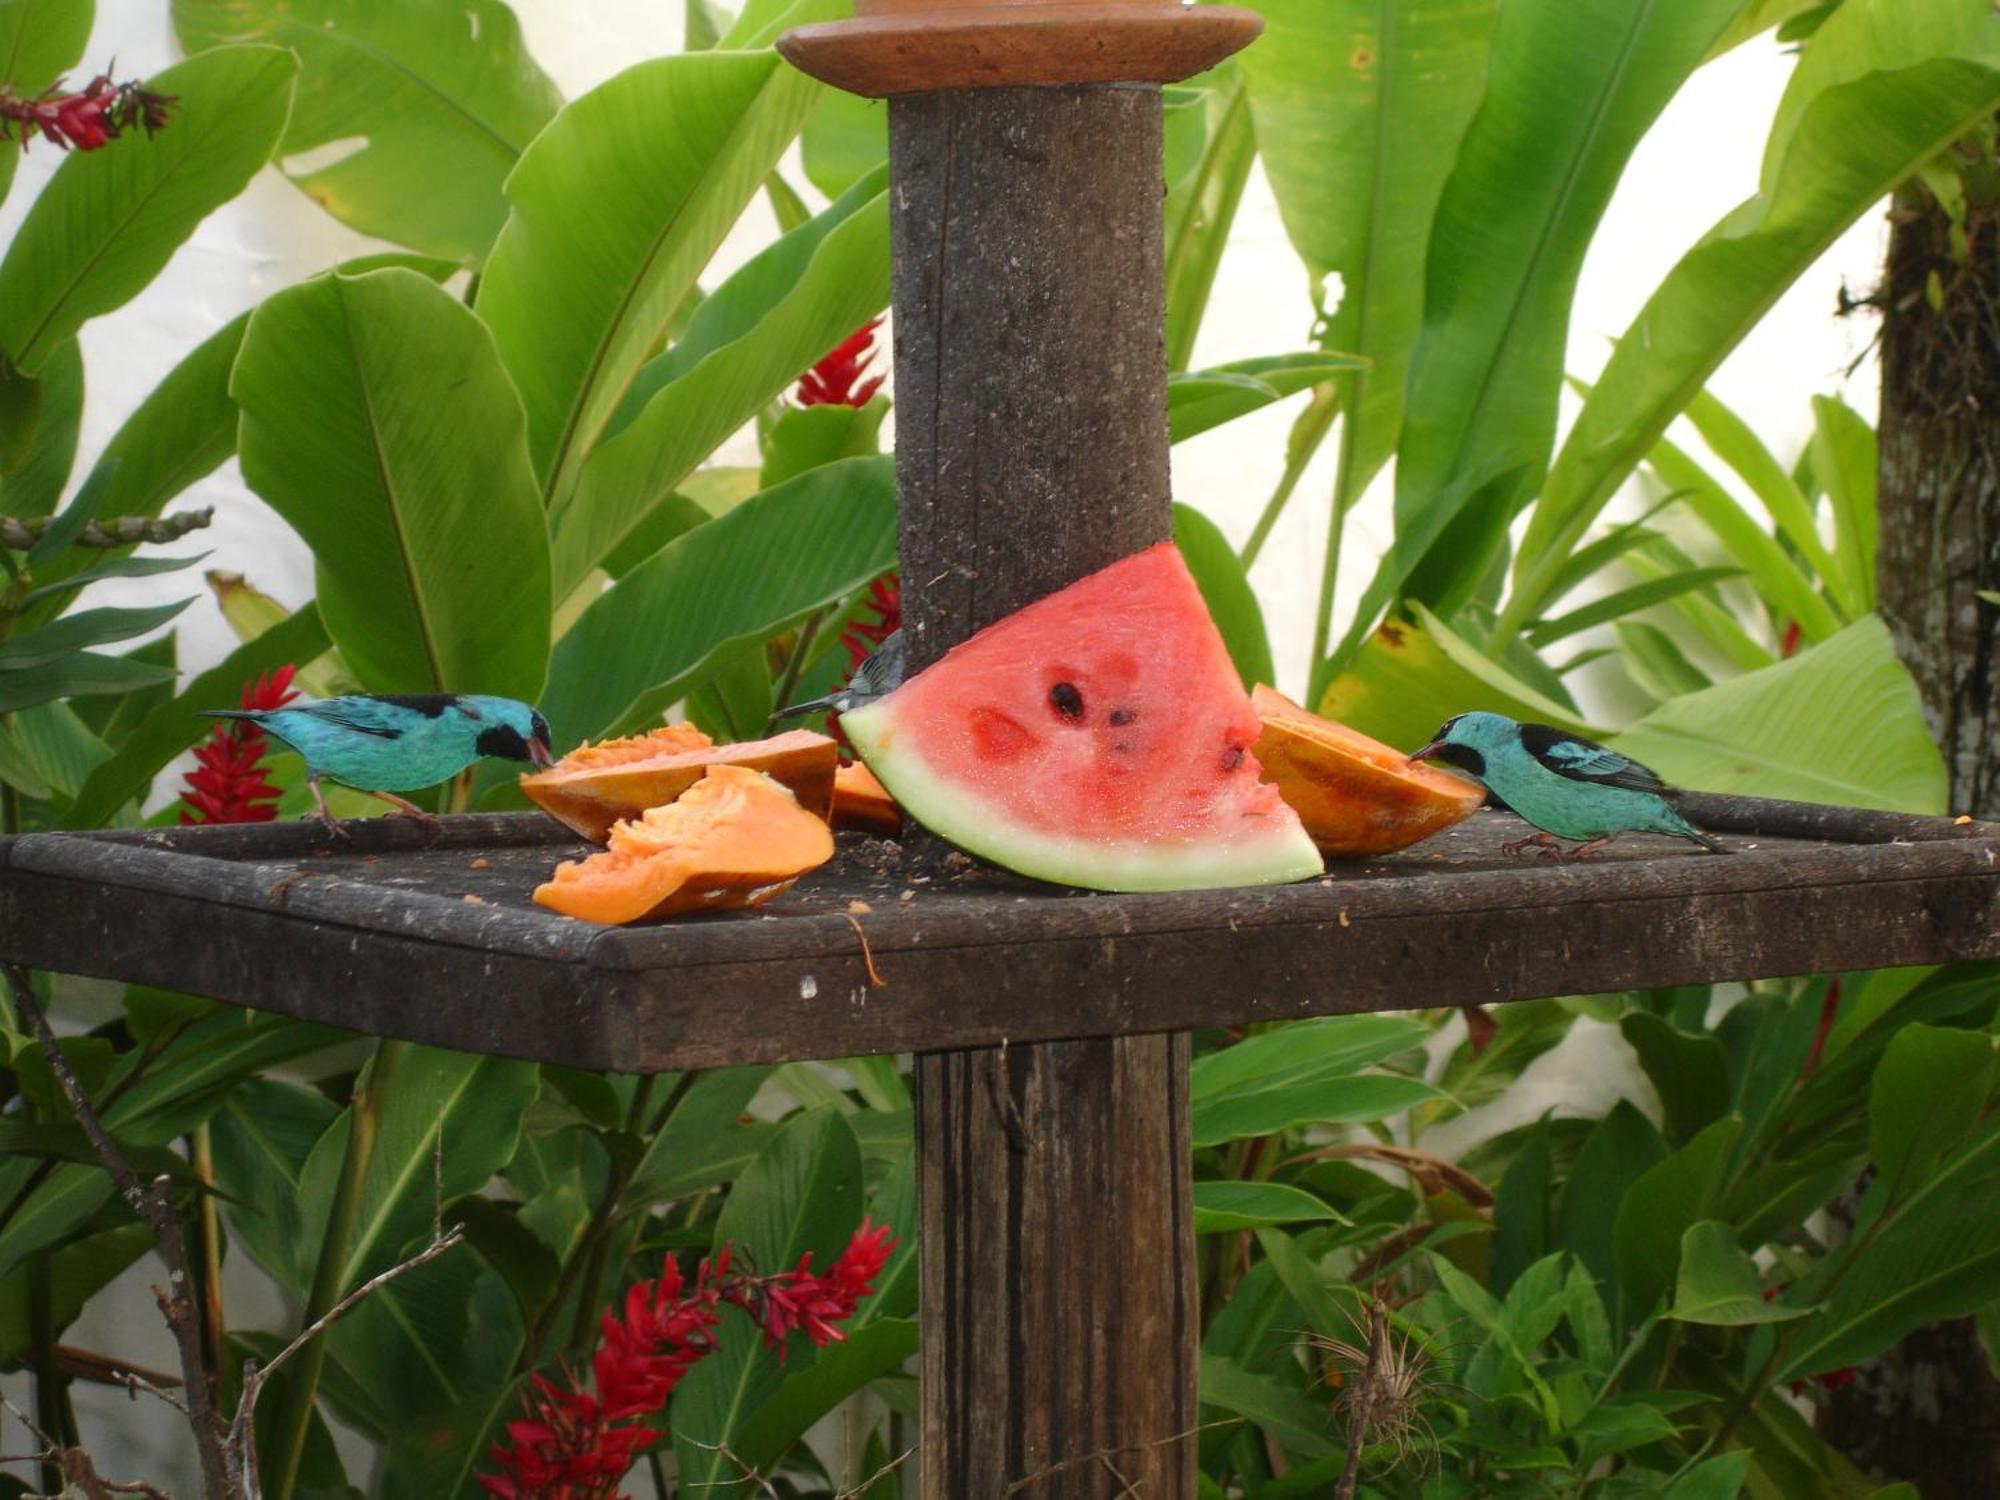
[[735, 838], [861, 804], [1356, 796], [594, 786]]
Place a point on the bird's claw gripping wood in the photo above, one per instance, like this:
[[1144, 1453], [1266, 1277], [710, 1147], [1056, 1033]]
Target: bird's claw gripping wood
[[1542, 843]]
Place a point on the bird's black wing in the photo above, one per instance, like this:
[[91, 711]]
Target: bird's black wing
[[1580, 759], [385, 718]]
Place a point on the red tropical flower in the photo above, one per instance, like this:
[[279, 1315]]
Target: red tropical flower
[[881, 617], [95, 117], [228, 784], [836, 379], [574, 1444]]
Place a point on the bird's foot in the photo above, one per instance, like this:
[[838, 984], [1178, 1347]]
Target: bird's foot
[[1584, 850], [402, 807], [335, 829], [1542, 843]]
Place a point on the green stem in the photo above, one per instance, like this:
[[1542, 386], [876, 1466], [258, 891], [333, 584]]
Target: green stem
[[48, 1381], [208, 1262], [1343, 501], [280, 1465], [1307, 434], [795, 665]]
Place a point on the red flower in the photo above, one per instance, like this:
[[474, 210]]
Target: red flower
[[227, 784], [833, 381], [576, 1445], [1789, 646], [863, 634], [95, 117]]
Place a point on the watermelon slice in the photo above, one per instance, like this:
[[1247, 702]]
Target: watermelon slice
[[1100, 737]]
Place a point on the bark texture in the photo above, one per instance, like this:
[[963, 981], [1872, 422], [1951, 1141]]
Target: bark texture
[[1059, 1306], [1928, 1411]]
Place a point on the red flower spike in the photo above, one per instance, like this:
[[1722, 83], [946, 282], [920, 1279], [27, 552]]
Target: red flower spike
[[95, 117], [836, 379], [228, 783], [575, 1445]]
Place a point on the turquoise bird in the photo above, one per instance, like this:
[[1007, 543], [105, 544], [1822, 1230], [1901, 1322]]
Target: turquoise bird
[[390, 743], [1565, 785]]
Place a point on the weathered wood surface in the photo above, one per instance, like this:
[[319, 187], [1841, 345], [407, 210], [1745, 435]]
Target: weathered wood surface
[[379, 937], [1055, 1178], [917, 46]]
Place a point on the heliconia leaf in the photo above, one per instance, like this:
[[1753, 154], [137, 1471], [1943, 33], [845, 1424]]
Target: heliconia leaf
[[1627, 601], [1928, 1094], [1209, 129], [745, 344], [1883, 87], [743, 576], [1776, 577], [846, 139], [1718, 1282], [1220, 1207], [1571, 89], [433, 100], [378, 422], [1934, 1257], [1666, 1200], [1265, 1401], [76, 674], [1360, 107], [108, 220], [814, 1390], [803, 1193], [41, 40], [34, 485], [1790, 730], [614, 210], [1199, 400], [80, 631], [1844, 458], [1226, 590], [174, 726], [82, 1270]]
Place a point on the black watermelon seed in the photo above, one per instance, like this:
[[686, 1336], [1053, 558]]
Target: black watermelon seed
[[1120, 716], [1232, 757], [1067, 700]]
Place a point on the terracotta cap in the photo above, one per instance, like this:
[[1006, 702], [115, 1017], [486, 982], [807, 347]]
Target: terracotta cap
[[914, 46]]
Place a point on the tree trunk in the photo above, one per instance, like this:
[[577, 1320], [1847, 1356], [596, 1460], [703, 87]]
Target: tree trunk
[[1928, 1411]]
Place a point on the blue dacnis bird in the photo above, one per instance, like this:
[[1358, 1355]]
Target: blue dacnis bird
[[398, 743], [1562, 783]]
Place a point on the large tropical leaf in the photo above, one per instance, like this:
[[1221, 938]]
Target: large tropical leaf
[[1572, 86], [39, 41], [1839, 723], [1360, 106], [107, 221], [173, 726], [378, 422], [1227, 593], [34, 486], [615, 209], [744, 345], [1202, 201], [433, 101], [803, 1193], [743, 576], [1884, 86]]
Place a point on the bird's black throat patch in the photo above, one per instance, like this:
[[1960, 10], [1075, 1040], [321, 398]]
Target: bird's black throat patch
[[1464, 757], [504, 741]]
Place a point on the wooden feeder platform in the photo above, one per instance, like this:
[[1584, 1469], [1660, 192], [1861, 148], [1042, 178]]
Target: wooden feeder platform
[[431, 934]]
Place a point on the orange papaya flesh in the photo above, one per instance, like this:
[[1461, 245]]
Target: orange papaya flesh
[[1356, 796], [594, 786], [736, 838], [861, 804]]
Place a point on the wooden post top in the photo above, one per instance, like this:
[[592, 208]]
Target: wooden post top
[[917, 46]]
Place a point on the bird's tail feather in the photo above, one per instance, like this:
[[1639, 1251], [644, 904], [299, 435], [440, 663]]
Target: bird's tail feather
[[1707, 841]]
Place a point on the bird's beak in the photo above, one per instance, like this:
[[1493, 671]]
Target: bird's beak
[[1427, 752], [538, 752]]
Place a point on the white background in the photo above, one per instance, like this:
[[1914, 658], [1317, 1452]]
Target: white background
[[1699, 161]]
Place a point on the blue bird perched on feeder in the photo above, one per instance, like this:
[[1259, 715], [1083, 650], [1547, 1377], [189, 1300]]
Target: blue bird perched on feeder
[[1567, 786], [390, 743]]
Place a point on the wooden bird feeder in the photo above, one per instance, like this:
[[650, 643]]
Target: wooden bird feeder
[[1059, 1309]]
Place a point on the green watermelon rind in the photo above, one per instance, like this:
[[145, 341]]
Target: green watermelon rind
[[950, 811]]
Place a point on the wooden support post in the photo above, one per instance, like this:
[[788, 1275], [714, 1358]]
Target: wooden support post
[[1059, 1307], [1059, 1311]]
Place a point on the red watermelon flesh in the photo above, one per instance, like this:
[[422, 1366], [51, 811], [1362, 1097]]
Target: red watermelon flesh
[[1100, 737]]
